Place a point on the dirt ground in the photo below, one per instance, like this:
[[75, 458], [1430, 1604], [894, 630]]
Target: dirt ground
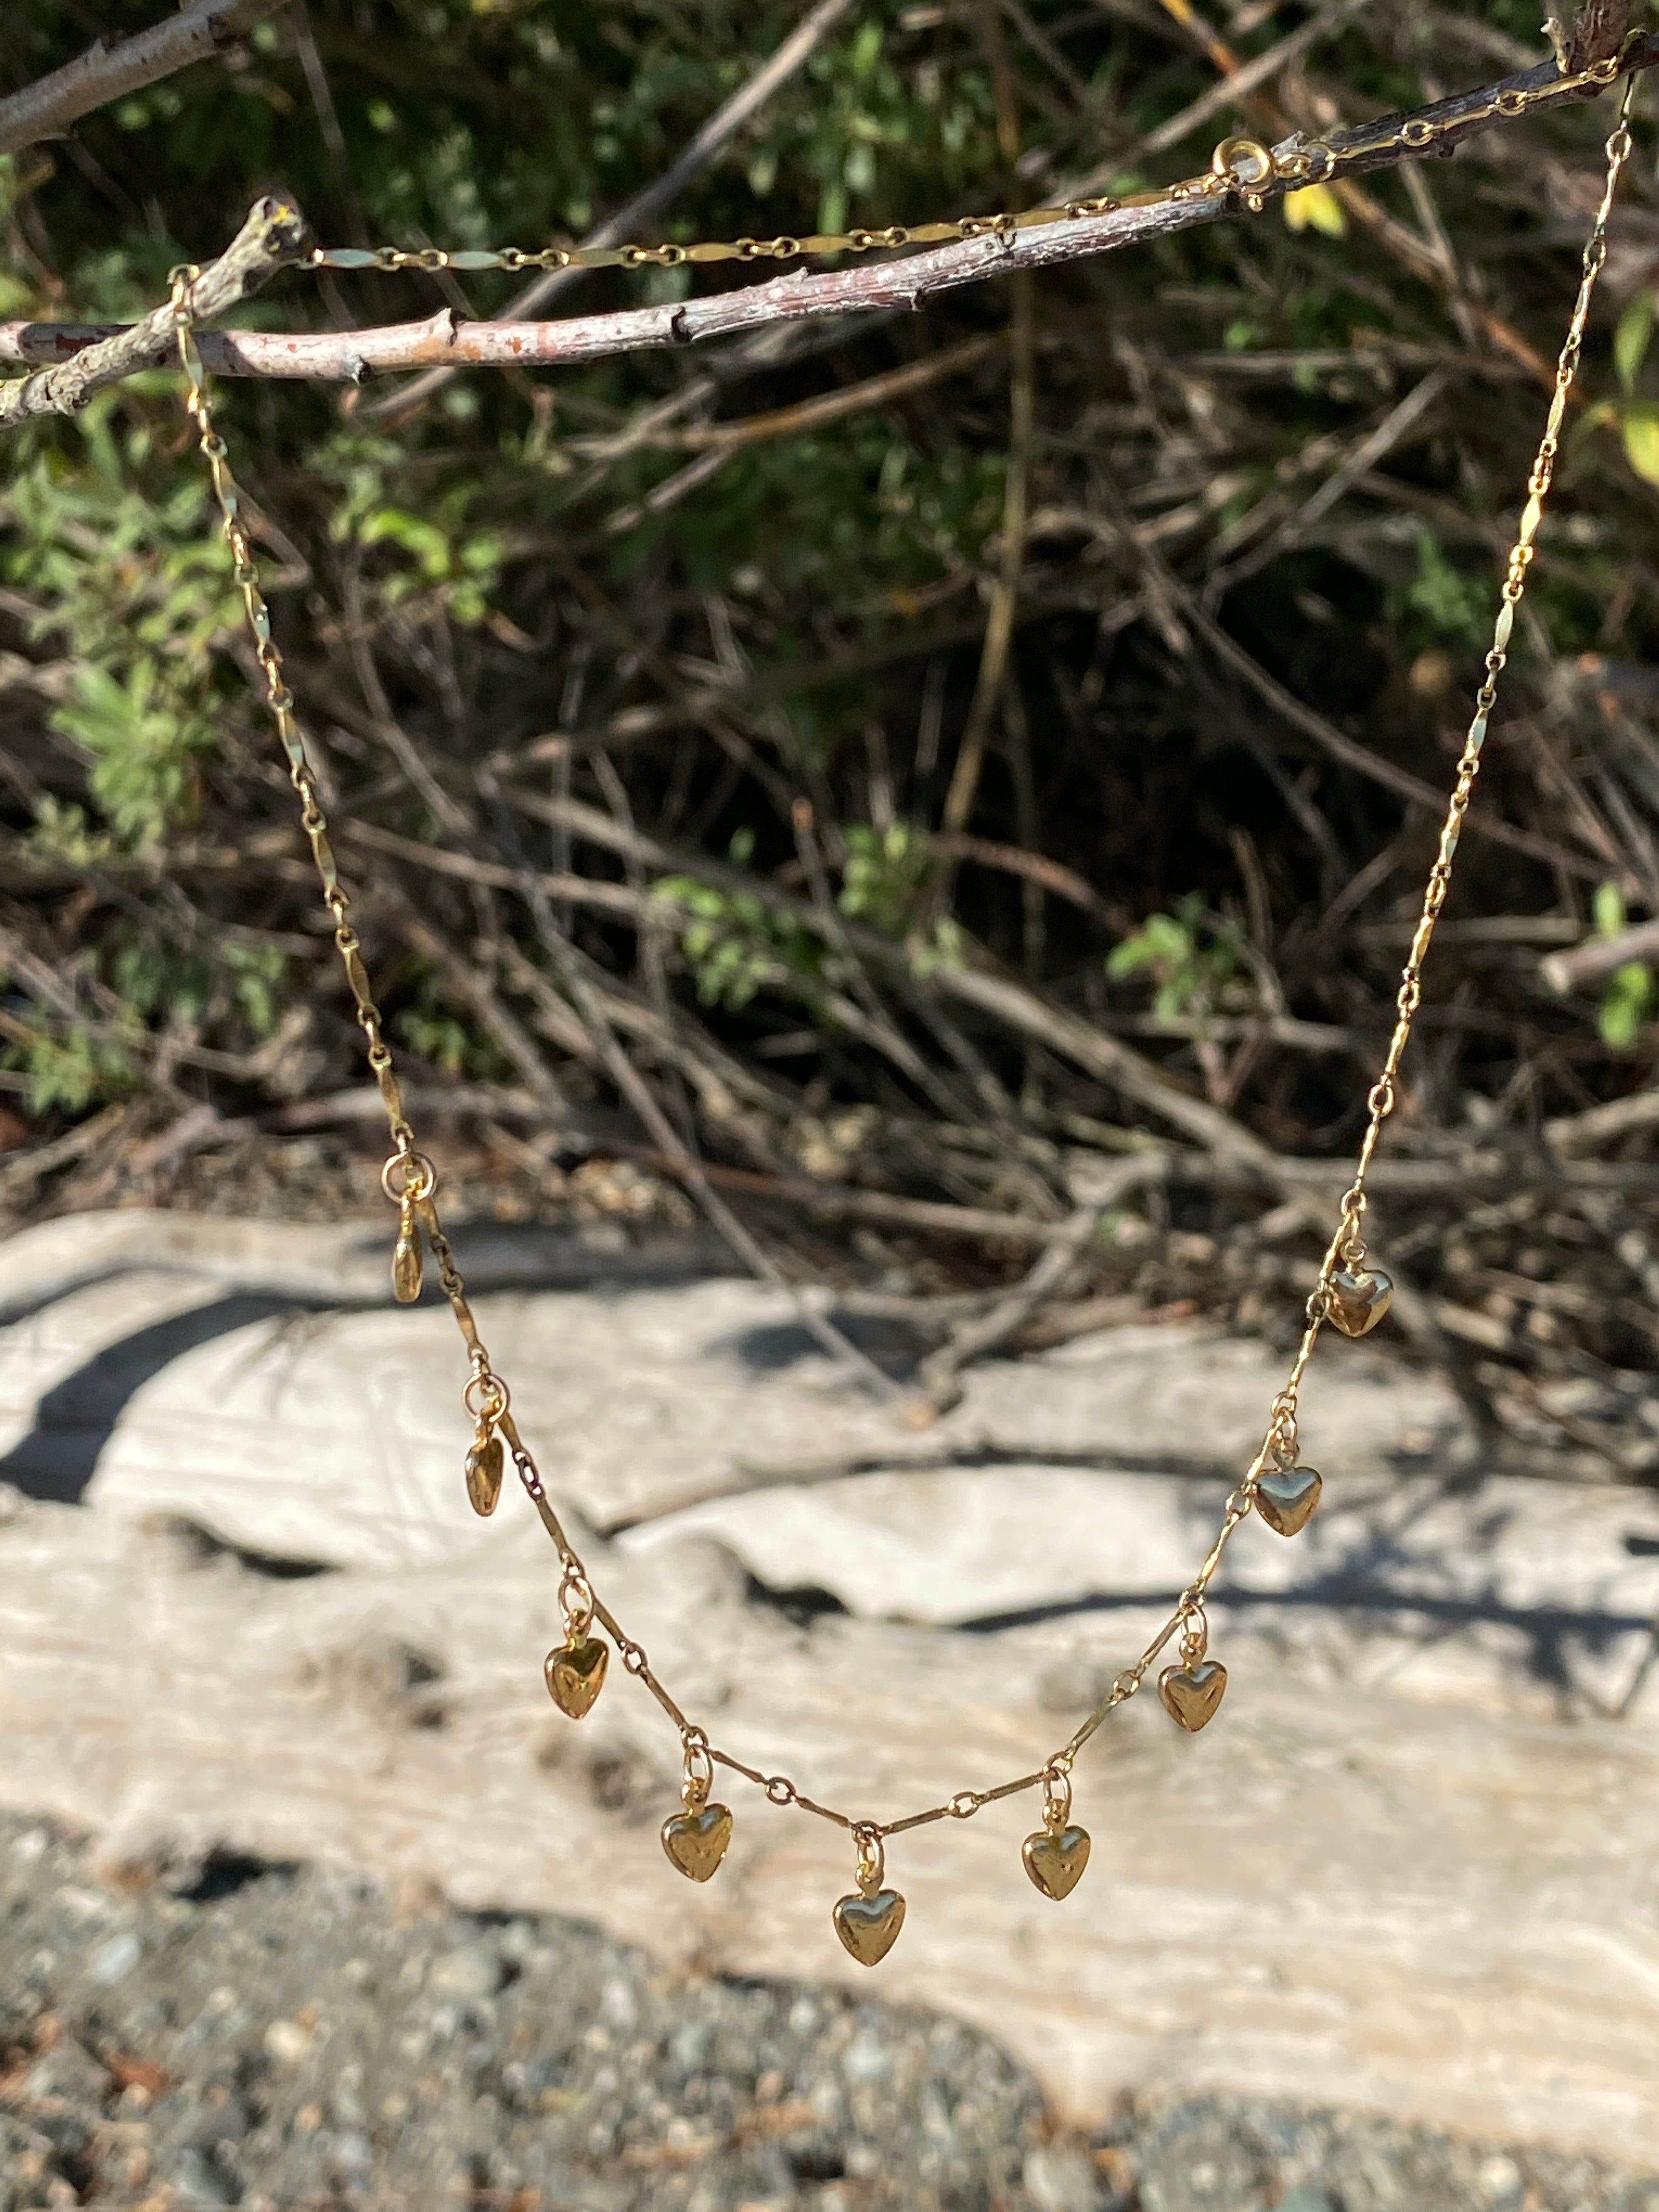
[[229, 2033]]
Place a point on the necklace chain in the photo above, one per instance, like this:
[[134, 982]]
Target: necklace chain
[[411, 1180], [1239, 166]]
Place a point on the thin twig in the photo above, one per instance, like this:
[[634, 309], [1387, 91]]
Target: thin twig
[[981, 1332]]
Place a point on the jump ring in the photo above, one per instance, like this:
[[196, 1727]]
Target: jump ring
[[419, 1178], [486, 1396]]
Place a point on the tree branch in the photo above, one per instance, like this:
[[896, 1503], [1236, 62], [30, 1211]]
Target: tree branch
[[273, 234], [646, 206], [350, 356], [46, 109]]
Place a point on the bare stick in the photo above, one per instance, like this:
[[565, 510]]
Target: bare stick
[[47, 108], [1599, 956], [645, 206], [348, 356], [982, 1333], [273, 234]]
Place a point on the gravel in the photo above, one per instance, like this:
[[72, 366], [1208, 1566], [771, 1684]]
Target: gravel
[[180, 2038]]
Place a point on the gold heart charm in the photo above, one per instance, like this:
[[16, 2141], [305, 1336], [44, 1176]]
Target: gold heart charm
[[868, 1926], [484, 1461], [1191, 1694], [1054, 1858], [575, 1674], [696, 1841], [1359, 1296], [1286, 1497]]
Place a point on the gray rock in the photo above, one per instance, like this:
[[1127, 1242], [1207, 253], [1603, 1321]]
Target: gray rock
[[1061, 2177], [465, 1975], [112, 1962]]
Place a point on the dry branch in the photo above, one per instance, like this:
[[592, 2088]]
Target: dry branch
[[47, 108], [1600, 956], [646, 206], [350, 356], [273, 234]]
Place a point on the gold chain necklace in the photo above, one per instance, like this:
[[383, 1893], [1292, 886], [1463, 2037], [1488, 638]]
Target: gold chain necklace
[[1351, 1291], [1243, 168]]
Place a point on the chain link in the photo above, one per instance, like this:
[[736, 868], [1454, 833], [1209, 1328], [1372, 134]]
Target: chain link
[[1240, 167], [409, 1177]]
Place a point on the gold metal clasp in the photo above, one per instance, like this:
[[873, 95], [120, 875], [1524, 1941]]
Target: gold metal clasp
[[1243, 165]]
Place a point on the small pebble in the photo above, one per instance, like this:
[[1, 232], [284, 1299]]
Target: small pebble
[[464, 1975], [287, 2042], [1061, 2177], [112, 1962]]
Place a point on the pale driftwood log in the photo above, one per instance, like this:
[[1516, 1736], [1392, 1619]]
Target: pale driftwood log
[[47, 108], [1404, 1868], [441, 341], [272, 236]]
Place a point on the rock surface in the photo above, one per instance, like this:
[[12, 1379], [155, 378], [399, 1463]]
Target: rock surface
[[1409, 1867]]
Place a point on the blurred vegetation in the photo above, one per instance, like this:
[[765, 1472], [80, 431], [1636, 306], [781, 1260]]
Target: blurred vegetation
[[527, 591]]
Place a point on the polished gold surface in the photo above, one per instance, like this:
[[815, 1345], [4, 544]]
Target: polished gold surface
[[575, 1674], [1359, 1296], [1282, 1491], [486, 1462], [869, 1926], [1191, 1694], [406, 1265], [696, 1840], [1054, 1858], [1286, 1497]]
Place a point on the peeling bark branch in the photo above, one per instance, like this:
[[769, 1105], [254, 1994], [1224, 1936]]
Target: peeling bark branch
[[350, 356], [47, 108], [273, 234]]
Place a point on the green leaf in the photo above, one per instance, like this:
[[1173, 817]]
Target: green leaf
[[1625, 1006], [1608, 910], [1640, 426], [1631, 339]]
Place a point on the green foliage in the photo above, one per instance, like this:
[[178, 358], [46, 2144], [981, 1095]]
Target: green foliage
[[70, 1069], [434, 549], [1448, 602], [883, 873], [258, 976], [1191, 958], [1626, 1006], [1631, 340], [734, 943], [140, 736], [479, 548], [1627, 1001]]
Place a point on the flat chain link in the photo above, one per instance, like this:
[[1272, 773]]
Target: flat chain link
[[1241, 167], [409, 1177]]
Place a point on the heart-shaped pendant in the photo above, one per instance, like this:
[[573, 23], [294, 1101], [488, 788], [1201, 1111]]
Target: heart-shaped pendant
[[696, 1840], [868, 1926], [1191, 1694], [1054, 1858], [1286, 1497], [1359, 1296], [575, 1674], [484, 1463]]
